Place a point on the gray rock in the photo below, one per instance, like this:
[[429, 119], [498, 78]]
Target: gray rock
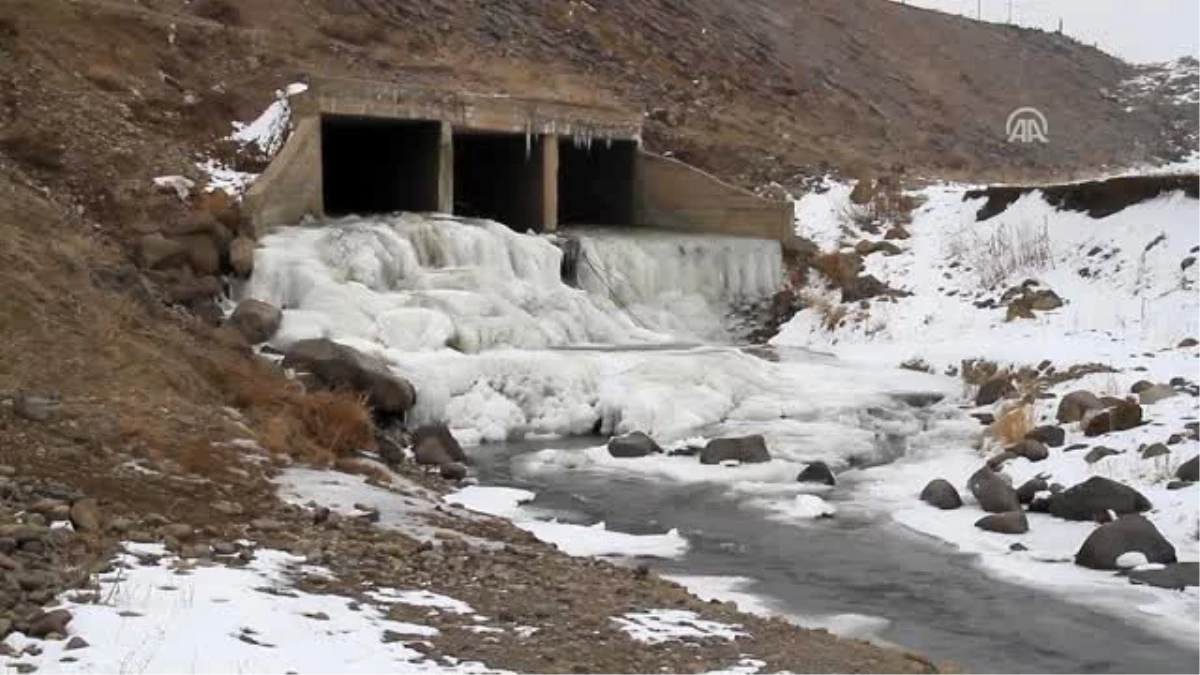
[[76, 642], [1073, 406], [1095, 497], [453, 471], [636, 444], [817, 472], [1155, 450], [434, 441], [155, 251], [1140, 386], [1155, 393], [85, 516], [339, 366], [1126, 415], [1034, 451], [37, 406], [1189, 470], [995, 389], [1050, 435], [745, 449], [1098, 453], [941, 493], [1128, 533], [993, 493], [1030, 488], [1012, 522], [1175, 576], [256, 320], [45, 623], [997, 461]]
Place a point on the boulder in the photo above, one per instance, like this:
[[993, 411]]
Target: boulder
[[1187, 343], [1098, 453], [1095, 497], [45, 623], [202, 252], [85, 516], [896, 232], [1096, 423], [1140, 386], [746, 449], [1176, 576], [1073, 406], [1034, 451], [817, 472], [156, 252], [995, 389], [1031, 487], [453, 471], [339, 366], [192, 289], [1155, 394], [1128, 533], [636, 444], [1190, 470], [1126, 415], [940, 493], [1155, 450], [433, 444], [1049, 434], [1012, 522], [993, 493], [1044, 300], [256, 320], [241, 256]]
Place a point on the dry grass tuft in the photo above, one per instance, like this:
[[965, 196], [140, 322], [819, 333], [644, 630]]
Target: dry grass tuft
[[841, 269], [1012, 425], [363, 467]]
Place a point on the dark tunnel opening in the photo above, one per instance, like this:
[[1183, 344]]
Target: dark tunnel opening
[[595, 182], [371, 165], [498, 176]]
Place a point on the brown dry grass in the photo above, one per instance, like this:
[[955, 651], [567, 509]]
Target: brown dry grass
[[161, 375], [841, 269], [832, 314], [1012, 425]]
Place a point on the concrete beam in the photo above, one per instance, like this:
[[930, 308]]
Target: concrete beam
[[445, 169], [548, 148]]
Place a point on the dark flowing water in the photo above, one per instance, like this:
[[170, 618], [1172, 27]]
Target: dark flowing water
[[936, 600]]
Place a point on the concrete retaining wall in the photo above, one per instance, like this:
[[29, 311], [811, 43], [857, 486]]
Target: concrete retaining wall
[[674, 195], [291, 187]]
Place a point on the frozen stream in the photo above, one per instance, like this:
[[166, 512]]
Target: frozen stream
[[503, 351], [858, 573]]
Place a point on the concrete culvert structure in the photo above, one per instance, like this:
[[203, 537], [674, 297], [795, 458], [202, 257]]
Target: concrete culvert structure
[[500, 176], [596, 182], [375, 165]]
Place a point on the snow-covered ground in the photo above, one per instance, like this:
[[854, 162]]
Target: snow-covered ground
[[158, 614], [1129, 284]]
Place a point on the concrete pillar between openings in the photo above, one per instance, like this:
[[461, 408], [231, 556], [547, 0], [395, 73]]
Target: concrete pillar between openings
[[549, 206], [445, 169]]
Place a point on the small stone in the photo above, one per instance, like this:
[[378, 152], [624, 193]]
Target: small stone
[[1155, 450], [85, 516], [1018, 547], [44, 623], [76, 642], [225, 548], [1012, 522], [180, 531], [1098, 453], [37, 406], [390, 636]]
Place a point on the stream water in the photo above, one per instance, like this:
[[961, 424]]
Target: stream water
[[933, 599]]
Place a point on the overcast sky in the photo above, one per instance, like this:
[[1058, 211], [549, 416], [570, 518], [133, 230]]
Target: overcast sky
[[1135, 30]]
